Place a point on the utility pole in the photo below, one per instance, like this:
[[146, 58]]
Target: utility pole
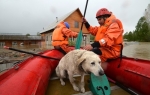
[[56, 19]]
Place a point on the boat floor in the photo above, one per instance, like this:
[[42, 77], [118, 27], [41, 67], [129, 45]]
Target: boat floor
[[55, 88]]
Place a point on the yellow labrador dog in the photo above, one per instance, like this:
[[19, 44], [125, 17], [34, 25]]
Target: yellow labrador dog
[[78, 62]]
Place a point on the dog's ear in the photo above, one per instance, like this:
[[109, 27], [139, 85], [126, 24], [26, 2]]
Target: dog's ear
[[80, 60]]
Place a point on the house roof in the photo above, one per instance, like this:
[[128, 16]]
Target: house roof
[[53, 25], [19, 37]]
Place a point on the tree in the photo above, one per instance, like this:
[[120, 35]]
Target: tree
[[142, 30], [92, 38], [141, 33], [28, 34], [147, 14], [125, 36], [130, 36]]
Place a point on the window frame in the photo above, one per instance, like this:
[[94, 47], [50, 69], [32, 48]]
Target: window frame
[[76, 24]]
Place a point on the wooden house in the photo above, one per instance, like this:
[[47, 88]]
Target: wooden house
[[74, 18]]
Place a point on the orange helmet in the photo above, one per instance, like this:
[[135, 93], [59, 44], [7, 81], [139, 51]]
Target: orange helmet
[[101, 12]]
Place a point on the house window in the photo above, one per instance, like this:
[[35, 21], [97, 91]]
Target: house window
[[2, 44], [46, 38], [84, 37], [14, 43], [51, 37], [76, 24], [72, 39]]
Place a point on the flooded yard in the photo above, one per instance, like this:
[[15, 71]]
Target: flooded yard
[[8, 58]]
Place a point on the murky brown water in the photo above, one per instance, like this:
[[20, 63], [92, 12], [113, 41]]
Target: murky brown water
[[139, 50]]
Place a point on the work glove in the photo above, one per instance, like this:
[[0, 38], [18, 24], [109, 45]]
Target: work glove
[[97, 51], [84, 20], [87, 25], [96, 44]]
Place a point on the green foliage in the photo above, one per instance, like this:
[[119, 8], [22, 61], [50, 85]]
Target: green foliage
[[28, 34], [141, 33], [92, 38], [71, 43]]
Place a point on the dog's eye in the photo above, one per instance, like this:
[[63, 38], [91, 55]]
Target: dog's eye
[[99, 62], [93, 63]]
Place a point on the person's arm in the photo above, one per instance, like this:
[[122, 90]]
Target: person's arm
[[112, 33], [91, 29], [69, 33]]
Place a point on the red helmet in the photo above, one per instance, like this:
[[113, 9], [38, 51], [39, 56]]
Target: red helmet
[[102, 11]]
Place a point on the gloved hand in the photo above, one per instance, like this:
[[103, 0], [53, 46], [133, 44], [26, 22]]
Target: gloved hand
[[97, 51], [96, 44], [87, 25], [84, 20]]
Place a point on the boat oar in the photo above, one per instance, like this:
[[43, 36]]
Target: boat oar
[[30, 53], [79, 38], [99, 85]]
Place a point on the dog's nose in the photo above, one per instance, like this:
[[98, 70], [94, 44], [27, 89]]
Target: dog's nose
[[101, 72]]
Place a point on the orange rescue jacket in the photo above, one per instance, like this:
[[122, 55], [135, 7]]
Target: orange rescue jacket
[[61, 34], [110, 34]]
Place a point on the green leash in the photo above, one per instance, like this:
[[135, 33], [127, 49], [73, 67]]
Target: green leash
[[79, 38], [99, 85]]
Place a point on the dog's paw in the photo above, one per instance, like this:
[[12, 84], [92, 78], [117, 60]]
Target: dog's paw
[[76, 88], [62, 83], [82, 90]]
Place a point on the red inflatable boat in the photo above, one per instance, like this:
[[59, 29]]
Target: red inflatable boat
[[30, 77], [132, 73]]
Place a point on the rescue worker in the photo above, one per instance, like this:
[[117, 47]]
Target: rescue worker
[[108, 36], [61, 35]]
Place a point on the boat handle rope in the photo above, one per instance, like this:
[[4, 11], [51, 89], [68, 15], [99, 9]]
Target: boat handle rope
[[5, 47]]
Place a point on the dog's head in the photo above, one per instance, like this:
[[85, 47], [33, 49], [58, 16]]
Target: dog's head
[[90, 62]]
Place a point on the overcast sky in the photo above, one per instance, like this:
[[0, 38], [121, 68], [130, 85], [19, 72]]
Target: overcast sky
[[30, 16]]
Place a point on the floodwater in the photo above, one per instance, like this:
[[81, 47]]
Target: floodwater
[[140, 50], [10, 56]]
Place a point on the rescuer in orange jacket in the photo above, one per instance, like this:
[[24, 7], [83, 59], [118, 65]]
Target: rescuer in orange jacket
[[60, 37], [108, 36]]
